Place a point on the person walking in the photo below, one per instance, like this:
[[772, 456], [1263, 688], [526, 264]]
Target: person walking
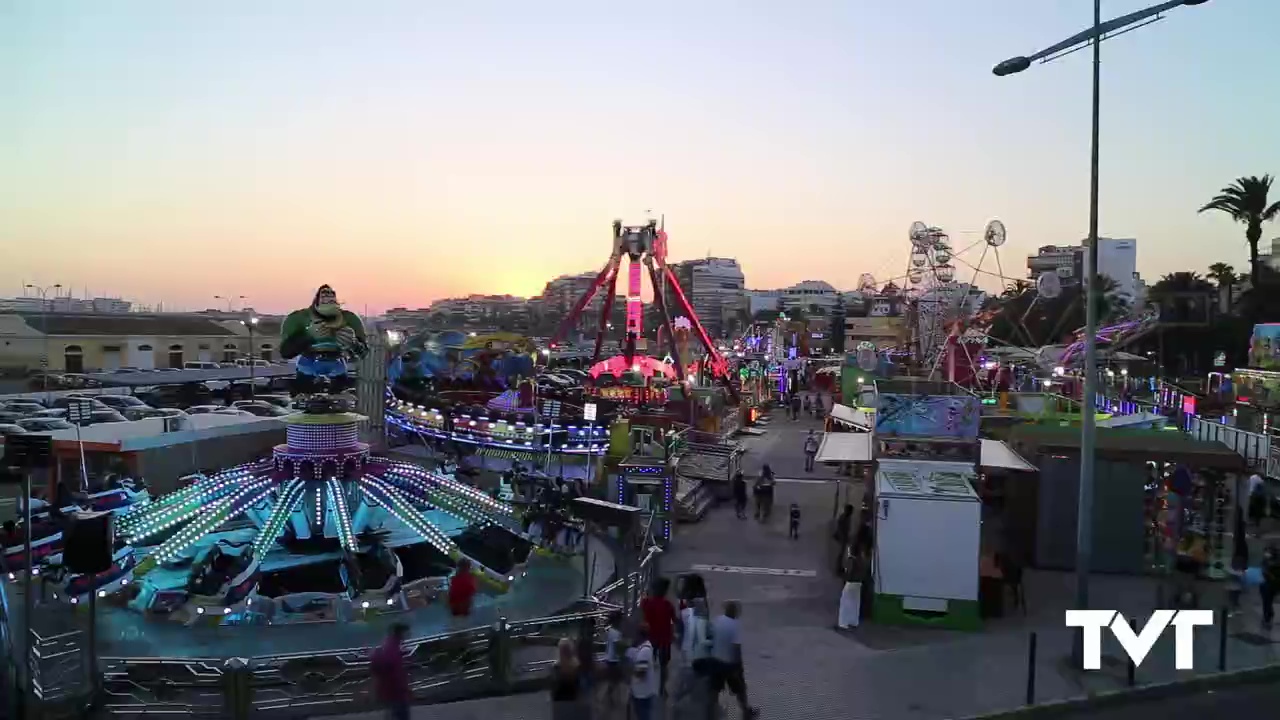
[[696, 670], [462, 589], [661, 619], [644, 676], [794, 530], [390, 678], [810, 451], [613, 657], [1270, 585], [740, 495], [726, 651], [805, 405], [795, 408], [766, 493], [567, 701]]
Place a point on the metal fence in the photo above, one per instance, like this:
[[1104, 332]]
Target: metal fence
[[508, 656]]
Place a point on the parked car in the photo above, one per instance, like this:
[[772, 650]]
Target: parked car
[[260, 409], [280, 401], [7, 429], [23, 406], [200, 365], [66, 401], [233, 411], [11, 416], [146, 413], [44, 424], [57, 413], [204, 409], [120, 402], [102, 417]]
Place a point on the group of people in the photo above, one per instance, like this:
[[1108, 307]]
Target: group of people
[[800, 405], [640, 658], [763, 491]]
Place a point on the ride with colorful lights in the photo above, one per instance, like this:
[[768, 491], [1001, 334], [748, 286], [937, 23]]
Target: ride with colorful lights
[[321, 529]]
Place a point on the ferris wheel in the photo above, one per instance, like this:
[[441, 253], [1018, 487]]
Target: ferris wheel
[[943, 307]]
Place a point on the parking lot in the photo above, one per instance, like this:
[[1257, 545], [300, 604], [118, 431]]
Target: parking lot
[[63, 401]]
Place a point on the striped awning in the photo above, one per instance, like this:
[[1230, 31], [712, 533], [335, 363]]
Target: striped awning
[[508, 454]]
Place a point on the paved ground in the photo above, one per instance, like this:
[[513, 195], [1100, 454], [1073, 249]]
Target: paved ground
[[1254, 701], [796, 659]]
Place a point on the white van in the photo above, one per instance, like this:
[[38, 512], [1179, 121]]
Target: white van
[[200, 365]]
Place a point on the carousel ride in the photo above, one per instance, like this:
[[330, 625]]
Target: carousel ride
[[320, 526]]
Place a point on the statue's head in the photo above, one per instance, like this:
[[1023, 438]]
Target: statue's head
[[326, 302]]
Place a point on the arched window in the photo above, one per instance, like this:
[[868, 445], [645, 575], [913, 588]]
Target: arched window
[[264, 351], [229, 353], [73, 359], [175, 356], [145, 348]]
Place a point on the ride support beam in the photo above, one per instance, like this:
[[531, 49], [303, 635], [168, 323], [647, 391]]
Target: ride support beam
[[607, 311], [666, 316], [586, 299], [719, 367]]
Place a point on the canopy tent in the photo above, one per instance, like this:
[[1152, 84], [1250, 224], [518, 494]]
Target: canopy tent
[[996, 454], [844, 447], [852, 416]]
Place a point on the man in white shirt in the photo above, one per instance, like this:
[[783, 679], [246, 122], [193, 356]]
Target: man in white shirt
[[697, 665], [726, 651], [644, 675]]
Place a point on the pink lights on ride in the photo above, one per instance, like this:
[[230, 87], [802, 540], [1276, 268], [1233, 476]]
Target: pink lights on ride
[[646, 366], [635, 306]]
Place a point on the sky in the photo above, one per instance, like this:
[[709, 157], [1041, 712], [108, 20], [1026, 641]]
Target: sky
[[404, 151]]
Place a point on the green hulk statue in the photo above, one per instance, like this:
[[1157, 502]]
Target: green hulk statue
[[324, 338]]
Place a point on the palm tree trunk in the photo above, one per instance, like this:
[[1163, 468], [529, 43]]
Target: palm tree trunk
[[1253, 234]]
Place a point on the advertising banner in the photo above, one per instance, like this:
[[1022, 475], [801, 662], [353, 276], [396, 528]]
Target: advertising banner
[[1264, 348]]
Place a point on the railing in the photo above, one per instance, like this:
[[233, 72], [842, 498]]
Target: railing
[[1255, 448], [507, 656]]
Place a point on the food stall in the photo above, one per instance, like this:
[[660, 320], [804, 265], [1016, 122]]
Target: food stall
[[928, 535], [927, 522]]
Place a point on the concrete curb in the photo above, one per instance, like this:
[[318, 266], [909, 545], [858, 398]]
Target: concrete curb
[[1146, 693]]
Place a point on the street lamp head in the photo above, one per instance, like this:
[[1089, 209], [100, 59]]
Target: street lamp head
[[1012, 66], [1194, 2], [253, 320]]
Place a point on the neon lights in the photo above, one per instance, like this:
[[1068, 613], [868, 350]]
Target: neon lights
[[400, 508], [287, 501], [338, 501]]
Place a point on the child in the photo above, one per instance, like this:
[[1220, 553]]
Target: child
[[795, 521], [613, 657]]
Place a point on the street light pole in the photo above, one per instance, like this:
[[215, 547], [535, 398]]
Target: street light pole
[[1088, 429], [43, 293], [251, 323], [230, 301]]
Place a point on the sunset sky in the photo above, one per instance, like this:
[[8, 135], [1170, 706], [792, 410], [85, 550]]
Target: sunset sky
[[406, 151]]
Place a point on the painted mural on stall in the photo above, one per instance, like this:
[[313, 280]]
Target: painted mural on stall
[[928, 416]]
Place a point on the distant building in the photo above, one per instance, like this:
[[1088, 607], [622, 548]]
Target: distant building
[[716, 288], [1117, 260], [807, 294], [759, 301], [92, 342], [65, 304]]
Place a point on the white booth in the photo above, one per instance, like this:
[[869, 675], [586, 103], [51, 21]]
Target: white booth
[[928, 533]]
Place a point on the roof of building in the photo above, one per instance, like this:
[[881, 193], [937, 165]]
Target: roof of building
[[124, 324], [148, 378], [1125, 444]]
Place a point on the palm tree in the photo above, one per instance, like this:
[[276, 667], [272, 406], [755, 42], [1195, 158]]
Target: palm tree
[[1225, 276], [1246, 202]]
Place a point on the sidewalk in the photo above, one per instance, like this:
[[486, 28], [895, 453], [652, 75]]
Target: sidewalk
[[796, 659]]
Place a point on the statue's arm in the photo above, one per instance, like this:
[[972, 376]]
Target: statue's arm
[[294, 339]]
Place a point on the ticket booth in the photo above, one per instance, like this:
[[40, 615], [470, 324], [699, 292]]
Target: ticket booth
[[647, 483]]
